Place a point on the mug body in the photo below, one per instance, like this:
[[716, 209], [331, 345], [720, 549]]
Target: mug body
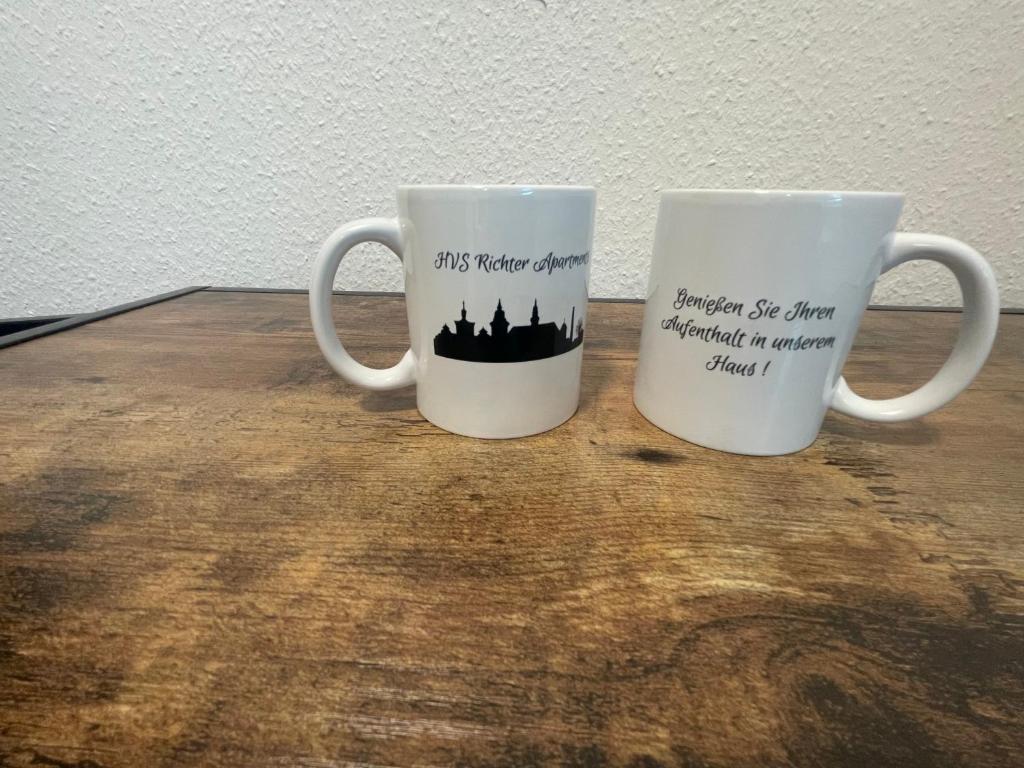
[[753, 304], [496, 288]]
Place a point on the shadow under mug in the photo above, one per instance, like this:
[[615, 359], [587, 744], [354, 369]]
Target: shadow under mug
[[753, 304]]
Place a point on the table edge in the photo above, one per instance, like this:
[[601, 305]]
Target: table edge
[[85, 318]]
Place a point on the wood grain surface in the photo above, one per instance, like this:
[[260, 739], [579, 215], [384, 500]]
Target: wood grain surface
[[213, 551]]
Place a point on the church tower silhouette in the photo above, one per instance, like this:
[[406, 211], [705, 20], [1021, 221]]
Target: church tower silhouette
[[499, 325], [464, 327]]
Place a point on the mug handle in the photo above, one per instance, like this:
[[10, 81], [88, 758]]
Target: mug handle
[[383, 231], [977, 331]]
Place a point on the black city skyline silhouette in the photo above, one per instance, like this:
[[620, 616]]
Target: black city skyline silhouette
[[504, 344]]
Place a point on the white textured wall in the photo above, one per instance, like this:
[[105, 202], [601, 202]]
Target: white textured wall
[[149, 145]]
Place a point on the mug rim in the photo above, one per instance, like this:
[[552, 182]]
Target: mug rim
[[495, 187], [780, 193]]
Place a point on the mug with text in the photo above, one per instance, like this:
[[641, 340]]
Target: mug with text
[[754, 302], [496, 297]]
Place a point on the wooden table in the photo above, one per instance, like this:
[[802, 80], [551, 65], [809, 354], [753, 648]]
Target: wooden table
[[213, 551]]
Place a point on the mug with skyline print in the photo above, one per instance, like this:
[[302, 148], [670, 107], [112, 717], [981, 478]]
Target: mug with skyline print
[[496, 297]]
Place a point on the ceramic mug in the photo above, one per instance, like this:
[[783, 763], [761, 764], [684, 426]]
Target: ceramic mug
[[496, 297], [753, 304]]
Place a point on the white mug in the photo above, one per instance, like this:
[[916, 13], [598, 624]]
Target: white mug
[[496, 296], [753, 304]]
